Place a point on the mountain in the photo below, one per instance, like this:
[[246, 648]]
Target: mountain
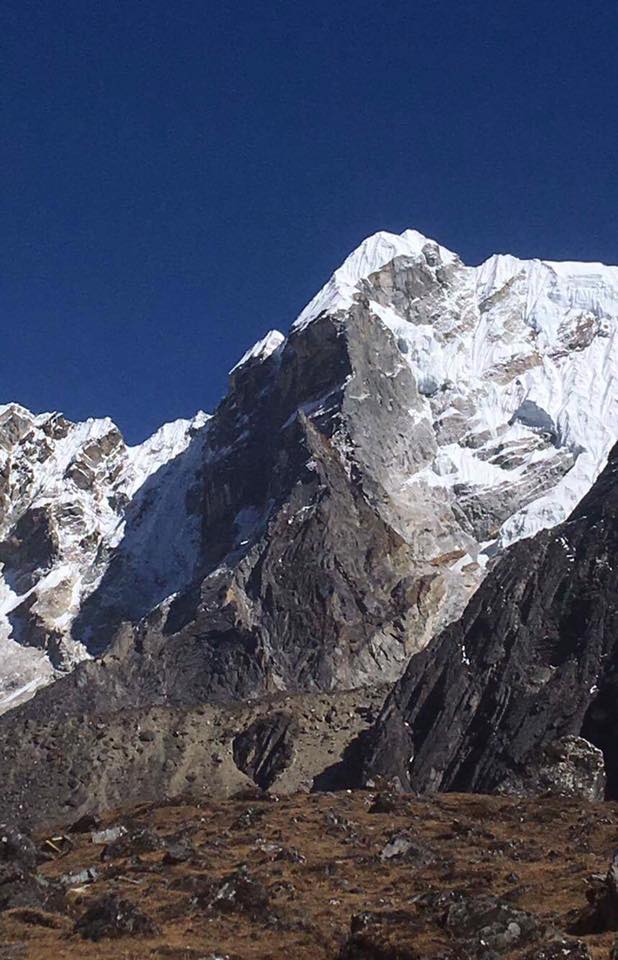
[[74, 499], [533, 660], [339, 507]]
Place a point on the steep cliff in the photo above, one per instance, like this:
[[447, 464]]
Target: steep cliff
[[533, 659]]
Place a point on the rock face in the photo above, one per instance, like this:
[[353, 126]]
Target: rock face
[[533, 661], [339, 507]]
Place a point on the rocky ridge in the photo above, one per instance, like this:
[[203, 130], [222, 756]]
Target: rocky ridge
[[69, 767]]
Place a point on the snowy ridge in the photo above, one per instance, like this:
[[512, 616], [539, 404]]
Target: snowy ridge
[[261, 350], [65, 493], [371, 255]]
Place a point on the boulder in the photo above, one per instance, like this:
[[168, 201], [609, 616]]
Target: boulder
[[601, 913], [131, 844], [404, 847], [568, 767], [243, 893], [111, 916], [17, 847], [488, 924], [19, 887], [178, 851]]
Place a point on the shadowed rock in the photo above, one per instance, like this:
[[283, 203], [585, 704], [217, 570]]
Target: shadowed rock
[[110, 917], [266, 748], [569, 767]]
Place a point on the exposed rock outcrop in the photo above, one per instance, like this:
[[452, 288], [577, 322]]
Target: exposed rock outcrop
[[266, 747], [533, 661], [570, 767]]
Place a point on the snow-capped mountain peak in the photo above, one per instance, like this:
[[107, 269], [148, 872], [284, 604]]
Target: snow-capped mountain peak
[[502, 353], [372, 254], [66, 491]]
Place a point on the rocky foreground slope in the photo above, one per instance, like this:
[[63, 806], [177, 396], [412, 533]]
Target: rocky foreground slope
[[339, 507], [533, 659], [323, 877]]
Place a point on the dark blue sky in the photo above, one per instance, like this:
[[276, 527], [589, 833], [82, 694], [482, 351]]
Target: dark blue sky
[[180, 176]]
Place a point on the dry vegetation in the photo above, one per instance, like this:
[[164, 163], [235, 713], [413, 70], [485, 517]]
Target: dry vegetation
[[277, 878]]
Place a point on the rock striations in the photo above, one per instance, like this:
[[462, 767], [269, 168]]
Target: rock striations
[[499, 700]]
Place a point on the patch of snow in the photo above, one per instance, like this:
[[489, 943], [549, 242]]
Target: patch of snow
[[260, 350]]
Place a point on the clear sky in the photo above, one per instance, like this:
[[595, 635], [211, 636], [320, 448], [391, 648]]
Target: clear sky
[[178, 177]]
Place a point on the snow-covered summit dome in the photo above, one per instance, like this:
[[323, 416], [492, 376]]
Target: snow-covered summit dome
[[372, 254]]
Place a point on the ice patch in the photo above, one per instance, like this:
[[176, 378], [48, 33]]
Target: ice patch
[[261, 350]]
